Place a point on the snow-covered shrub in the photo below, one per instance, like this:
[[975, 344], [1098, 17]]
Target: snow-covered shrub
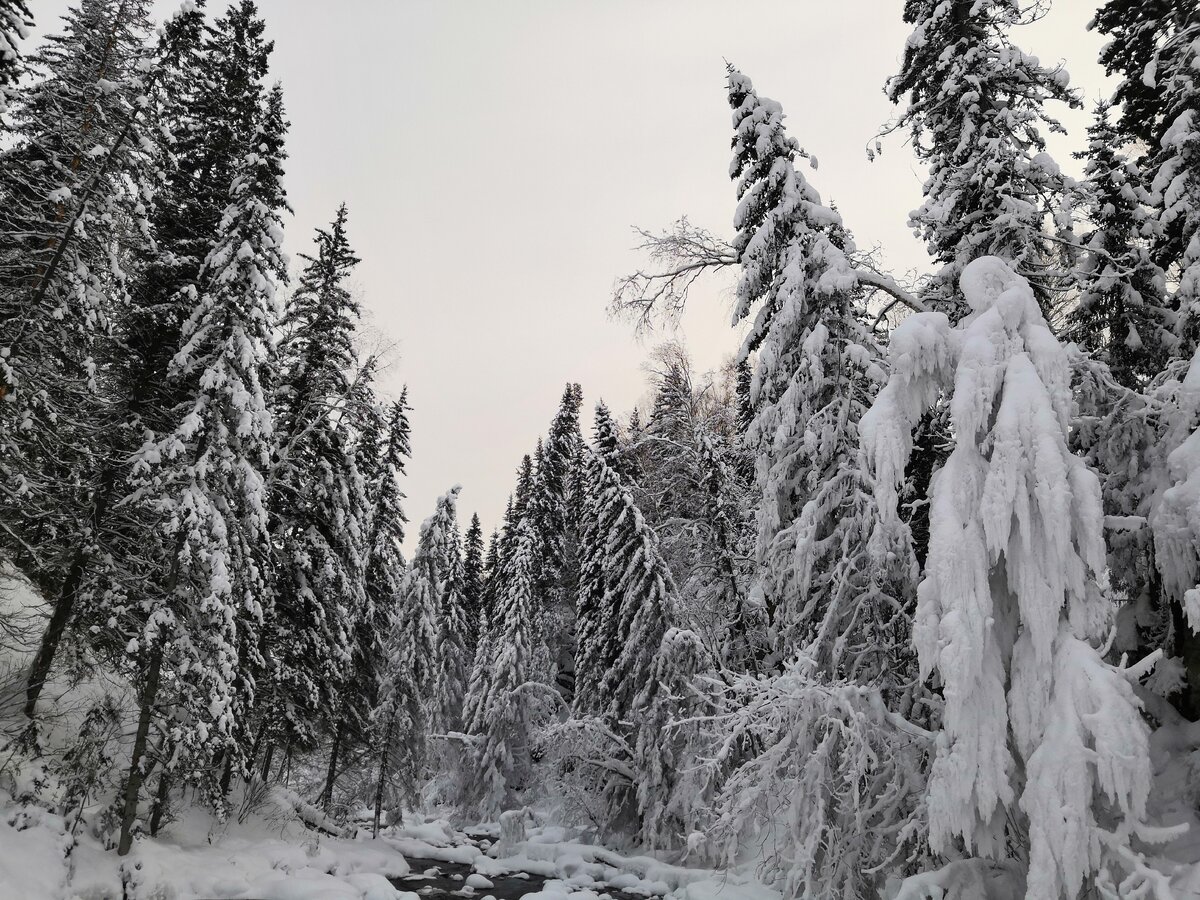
[[815, 776], [589, 773]]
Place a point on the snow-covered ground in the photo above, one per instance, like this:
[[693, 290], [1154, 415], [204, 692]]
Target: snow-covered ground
[[267, 857], [272, 857]]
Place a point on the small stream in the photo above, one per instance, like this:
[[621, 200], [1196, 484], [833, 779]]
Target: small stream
[[447, 881]]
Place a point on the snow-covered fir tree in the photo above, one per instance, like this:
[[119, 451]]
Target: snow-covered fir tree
[[594, 643], [1176, 178], [720, 578], [1121, 312], [976, 113], [206, 480], [319, 500], [450, 645], [504, 711], [75, 179], [830, 584], [401, 721], [553, 517], [634, 666], [15, 24], [639, 592], [473, 582], [1142, 40]]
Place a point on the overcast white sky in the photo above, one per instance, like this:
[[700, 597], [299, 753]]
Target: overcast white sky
[[495, 156]]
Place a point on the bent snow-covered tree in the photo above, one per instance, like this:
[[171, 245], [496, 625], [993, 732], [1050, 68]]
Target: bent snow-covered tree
[[1039, 734], [822, 574]]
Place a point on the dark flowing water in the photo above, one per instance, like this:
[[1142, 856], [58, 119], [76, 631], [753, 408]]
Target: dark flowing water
[[504, 887]]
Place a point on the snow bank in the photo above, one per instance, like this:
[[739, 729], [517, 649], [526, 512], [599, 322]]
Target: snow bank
[[194, 858]]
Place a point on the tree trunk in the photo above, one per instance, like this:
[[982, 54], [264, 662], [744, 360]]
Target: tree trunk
[[65, 604], [267, 758], [331, 777], [383, 758], [226, 774], [160, 800], [285, 767], [134, 783], [1187, 648]]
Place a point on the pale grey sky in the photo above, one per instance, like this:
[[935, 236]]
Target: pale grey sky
[[495, 156]]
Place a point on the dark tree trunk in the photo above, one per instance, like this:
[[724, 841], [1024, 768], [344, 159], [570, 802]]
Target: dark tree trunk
[[160, 800], [226, 773], [331, 777], [133, 784], [64, 606], [383, 760], [267, 758], [285, 767]]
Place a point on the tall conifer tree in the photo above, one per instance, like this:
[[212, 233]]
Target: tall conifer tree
[[206, 478], [976, 113]]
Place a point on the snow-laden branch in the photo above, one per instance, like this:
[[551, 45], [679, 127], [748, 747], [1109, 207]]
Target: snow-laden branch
[[888, 285]]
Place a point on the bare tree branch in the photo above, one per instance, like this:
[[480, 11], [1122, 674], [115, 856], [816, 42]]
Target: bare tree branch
[[680, 256]]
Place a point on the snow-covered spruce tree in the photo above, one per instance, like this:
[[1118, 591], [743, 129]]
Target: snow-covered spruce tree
[[82, 432], [594, 647], [830, 580], [1120, 316], [473, 583], [15, 24], [380, 452], [450, 645], [1042, 744], [695, 493], [606, 439], [1142, 42], [401, 721], [491, 568], [554, 519], [630, 678], [502, 725], [198, 639], [485, 645], [74, 180], [1176, 180], [721, 579], [212, 108], [1124, 327], [519, 506], [76, 171], [1154, 48], [318, 503], [661, 746], [976, 113], [1173, 486]]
